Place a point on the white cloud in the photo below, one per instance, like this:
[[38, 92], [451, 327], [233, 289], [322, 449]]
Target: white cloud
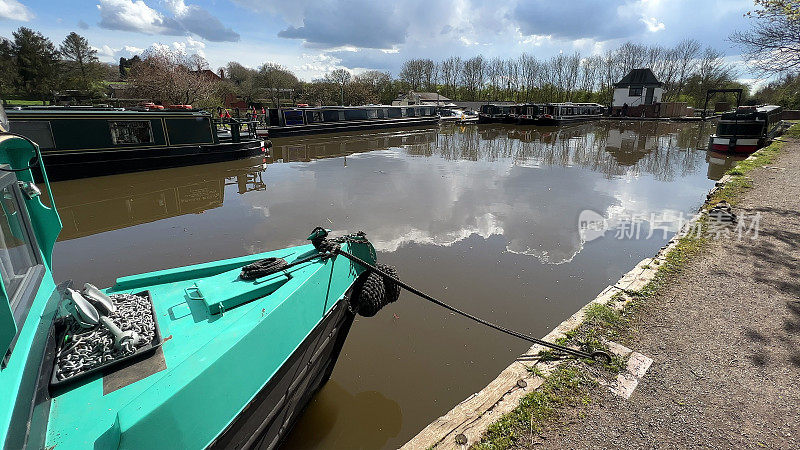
[[106, 51], [132, 50], [178, 7], [653, 25], [14, 10], [129, 15], [136, 15]]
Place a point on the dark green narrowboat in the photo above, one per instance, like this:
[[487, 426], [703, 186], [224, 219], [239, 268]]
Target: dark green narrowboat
[[81, 142]]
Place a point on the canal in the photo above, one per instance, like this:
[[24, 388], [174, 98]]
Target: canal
[[485, 217]]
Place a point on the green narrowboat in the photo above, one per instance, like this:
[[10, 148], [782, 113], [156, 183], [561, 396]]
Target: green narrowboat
[[224, 354], [81, 142]]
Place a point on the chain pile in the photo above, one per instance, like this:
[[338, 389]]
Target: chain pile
[[85, 349]]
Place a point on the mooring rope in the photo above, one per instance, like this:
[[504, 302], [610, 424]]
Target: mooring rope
[[335, 248]]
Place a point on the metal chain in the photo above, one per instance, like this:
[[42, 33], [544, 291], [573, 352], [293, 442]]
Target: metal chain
[[83, 350]]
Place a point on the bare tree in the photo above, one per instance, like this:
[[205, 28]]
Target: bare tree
[[473, 75], [773, 44], [495, 72], [172, 77], [339, 77], [686, 53], [277, 81], [529, 72], [451, 71], [571, 70], [415, 73], [590, 71], [512, 79], [377, 85]]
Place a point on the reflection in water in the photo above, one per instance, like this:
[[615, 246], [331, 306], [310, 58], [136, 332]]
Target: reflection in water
[[132, 199], [720, 162], [485, 217], [370, 419]]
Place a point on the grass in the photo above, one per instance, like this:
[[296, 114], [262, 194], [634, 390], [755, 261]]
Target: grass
[[570, 383], [25, 102], [566, 386]]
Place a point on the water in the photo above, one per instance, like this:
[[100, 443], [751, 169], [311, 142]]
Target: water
[[484, 217]]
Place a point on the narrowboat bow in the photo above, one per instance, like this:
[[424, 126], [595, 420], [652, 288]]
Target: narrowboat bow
[[221, 354]]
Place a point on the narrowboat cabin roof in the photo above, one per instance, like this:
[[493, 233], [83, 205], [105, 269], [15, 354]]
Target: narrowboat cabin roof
[[751, 112]]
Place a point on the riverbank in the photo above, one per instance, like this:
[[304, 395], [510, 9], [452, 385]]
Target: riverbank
[[717, 316]]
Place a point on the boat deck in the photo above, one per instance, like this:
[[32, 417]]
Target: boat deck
[[210, 365]]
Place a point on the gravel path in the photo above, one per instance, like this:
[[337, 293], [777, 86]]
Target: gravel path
[[725, 339]]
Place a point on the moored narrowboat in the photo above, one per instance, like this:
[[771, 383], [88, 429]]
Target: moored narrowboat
[[492, 113], [81, 142], [564, 113], [746, 129], [527, 113], [329, 119], [224, 354]]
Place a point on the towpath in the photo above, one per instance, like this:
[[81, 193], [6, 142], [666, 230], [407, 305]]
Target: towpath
[[725, 340]]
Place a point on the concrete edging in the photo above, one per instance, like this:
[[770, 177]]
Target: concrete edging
[[476, 413]]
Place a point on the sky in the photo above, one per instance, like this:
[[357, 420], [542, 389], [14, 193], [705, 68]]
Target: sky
[[312, 37]]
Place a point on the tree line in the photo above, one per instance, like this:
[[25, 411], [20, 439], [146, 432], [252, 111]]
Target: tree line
[[34, 68], [687, 71]]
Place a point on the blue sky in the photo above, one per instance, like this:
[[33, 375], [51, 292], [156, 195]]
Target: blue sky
[[313, 37]]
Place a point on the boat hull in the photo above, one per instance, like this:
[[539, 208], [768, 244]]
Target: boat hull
[[84, 164], [552, 121], [356, 125], [739, 145], [266, 421]]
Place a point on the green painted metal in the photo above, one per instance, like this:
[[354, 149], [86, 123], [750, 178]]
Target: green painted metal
[[74, 130], [223, 340], [20, 365], [216, 363]]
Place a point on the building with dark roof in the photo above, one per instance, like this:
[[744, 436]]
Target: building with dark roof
[[420, 98], [638, 87]]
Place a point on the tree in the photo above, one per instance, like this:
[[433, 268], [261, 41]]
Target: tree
[[773, 44], [126, 64], [473, 74], [172, 77], [81, 56], [8, 68], [377, 87], [243, 81], [340, 78], [451, 70], [37, 63], [276, 79]]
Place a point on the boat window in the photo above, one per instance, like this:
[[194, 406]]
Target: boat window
[[36, 130], [293, 117], [314, 116], [740, 129], [372, 114], [18, 256], [131, 132], [341, 115], [635, 91]]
